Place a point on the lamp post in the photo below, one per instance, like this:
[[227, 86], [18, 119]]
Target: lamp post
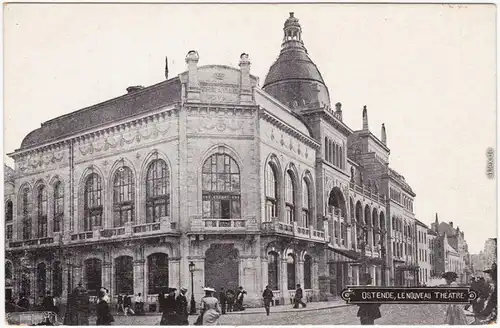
[[193, 302], [383, 254], [362, 242]]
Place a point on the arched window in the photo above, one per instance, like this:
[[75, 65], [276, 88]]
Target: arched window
[[93, 275], [57, 279], [157, 272], [58, 206], [289, 198], [306, 204], [273, 271], [157, 191], [8, 270], [8, 211], [221, 191], [26, 208], [92, 202], [42, 211], [41, 278], [124, 275], [327, 157], [332, 152], [123, 197], [290, 268], [307, 272], [271, 193]]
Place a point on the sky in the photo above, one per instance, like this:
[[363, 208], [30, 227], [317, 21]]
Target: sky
[[427, 71]]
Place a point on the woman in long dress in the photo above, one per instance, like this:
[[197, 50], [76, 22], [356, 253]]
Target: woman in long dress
[[210, 308], [455, 314]]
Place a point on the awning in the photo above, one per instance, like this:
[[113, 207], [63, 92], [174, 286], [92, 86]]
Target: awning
[[350, 256]]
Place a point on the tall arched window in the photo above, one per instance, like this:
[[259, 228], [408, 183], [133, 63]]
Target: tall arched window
[[26, 208], [157, 191], [157, 272], [93, 275], [307, 272], [41, 278], [289, 198], [306, 204], [290, 268], [42, 211], [58, 206], [93, 202], [221, 190], [273, 271], [123, 197], [327, 157], [57, 283], [124, 275], [271, 193], [8, 211]]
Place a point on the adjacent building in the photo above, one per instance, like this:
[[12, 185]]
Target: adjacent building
[[423, 246], [208, 174]]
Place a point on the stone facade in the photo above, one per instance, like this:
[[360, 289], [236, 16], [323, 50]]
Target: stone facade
[[208, 172]]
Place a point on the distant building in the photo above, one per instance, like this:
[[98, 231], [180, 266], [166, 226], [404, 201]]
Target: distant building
[[485, 258], [423, 253], [456, 240], [9, 183]]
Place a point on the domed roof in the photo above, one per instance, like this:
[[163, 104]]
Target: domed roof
[[293, 64], [294, 78]]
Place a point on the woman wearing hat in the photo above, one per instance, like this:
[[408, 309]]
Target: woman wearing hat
[[169, 316], [210, 309], [454, 314]]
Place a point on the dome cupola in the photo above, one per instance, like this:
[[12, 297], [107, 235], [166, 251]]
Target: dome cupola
[[294, 79]]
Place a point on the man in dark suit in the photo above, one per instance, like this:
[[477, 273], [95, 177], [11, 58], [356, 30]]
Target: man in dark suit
[[298, 298], [222, 300], [268, 296], [367, 312], [23, 303], [48, 302], [182, 308]]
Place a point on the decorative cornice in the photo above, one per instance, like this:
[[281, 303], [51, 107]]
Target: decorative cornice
[[156, 115], [269, 117], [330, 118]]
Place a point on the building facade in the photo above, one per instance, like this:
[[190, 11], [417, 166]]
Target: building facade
[[253, 186], [423, 253]]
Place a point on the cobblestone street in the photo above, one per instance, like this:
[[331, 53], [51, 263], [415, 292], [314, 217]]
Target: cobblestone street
[[391, 315]]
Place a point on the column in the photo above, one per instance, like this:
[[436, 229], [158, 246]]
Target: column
[[264, 264], [284, 282], [33, 292], [374, 274], [174, 267], [139, 276], [106, 273]]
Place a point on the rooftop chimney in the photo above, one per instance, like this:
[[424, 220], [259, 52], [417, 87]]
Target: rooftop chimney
[[134, 88], [451, 224], [384, 135], [365, 118], [338, 111], [166, 68]]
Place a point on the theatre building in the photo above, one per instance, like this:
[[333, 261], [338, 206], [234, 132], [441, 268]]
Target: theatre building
[[207, 172]]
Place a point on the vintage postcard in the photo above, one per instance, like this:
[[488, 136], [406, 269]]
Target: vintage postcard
[[250, 164]]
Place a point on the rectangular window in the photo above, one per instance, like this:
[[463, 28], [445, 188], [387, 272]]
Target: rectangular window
[[9, 232]]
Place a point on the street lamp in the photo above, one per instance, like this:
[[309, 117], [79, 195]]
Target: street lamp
[[193, 302], [362, 241]]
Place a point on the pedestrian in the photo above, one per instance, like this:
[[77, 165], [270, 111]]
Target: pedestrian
[[161, 300], [119, 301], [77, 313], [139, 304], [168, 317], [297, 299], [210, 308], [239, 299], [455, 315], [230, 297], [103, 313], [48, 303], [489, 314], [23, 302], [268, 296], [127, 303], [222, 300], [182, 308], [368, 312]]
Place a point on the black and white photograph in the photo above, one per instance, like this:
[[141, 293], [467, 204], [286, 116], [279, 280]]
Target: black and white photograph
[[245, 164]]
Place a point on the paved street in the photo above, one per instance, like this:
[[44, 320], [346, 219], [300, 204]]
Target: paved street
[[391, 314]]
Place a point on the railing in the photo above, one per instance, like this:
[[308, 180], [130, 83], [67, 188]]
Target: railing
[[220, 223], [34, 242], [148, 227], [309, 295], [108, 233], [82, 236], [367, 192], [152, 299], [292, 229]]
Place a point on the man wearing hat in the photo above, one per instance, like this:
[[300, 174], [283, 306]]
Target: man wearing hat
[[182, 308], [169, 311], [368, 312], [489, 314]]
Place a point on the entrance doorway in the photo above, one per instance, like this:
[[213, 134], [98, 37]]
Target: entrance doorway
[[222, 267]]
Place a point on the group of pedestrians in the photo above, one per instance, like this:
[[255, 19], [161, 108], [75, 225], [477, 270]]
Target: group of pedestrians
[[231, 301], [174, 307], [124, 304], [46, 303]]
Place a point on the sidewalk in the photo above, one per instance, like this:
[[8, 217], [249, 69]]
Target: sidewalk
[[274, 309]]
